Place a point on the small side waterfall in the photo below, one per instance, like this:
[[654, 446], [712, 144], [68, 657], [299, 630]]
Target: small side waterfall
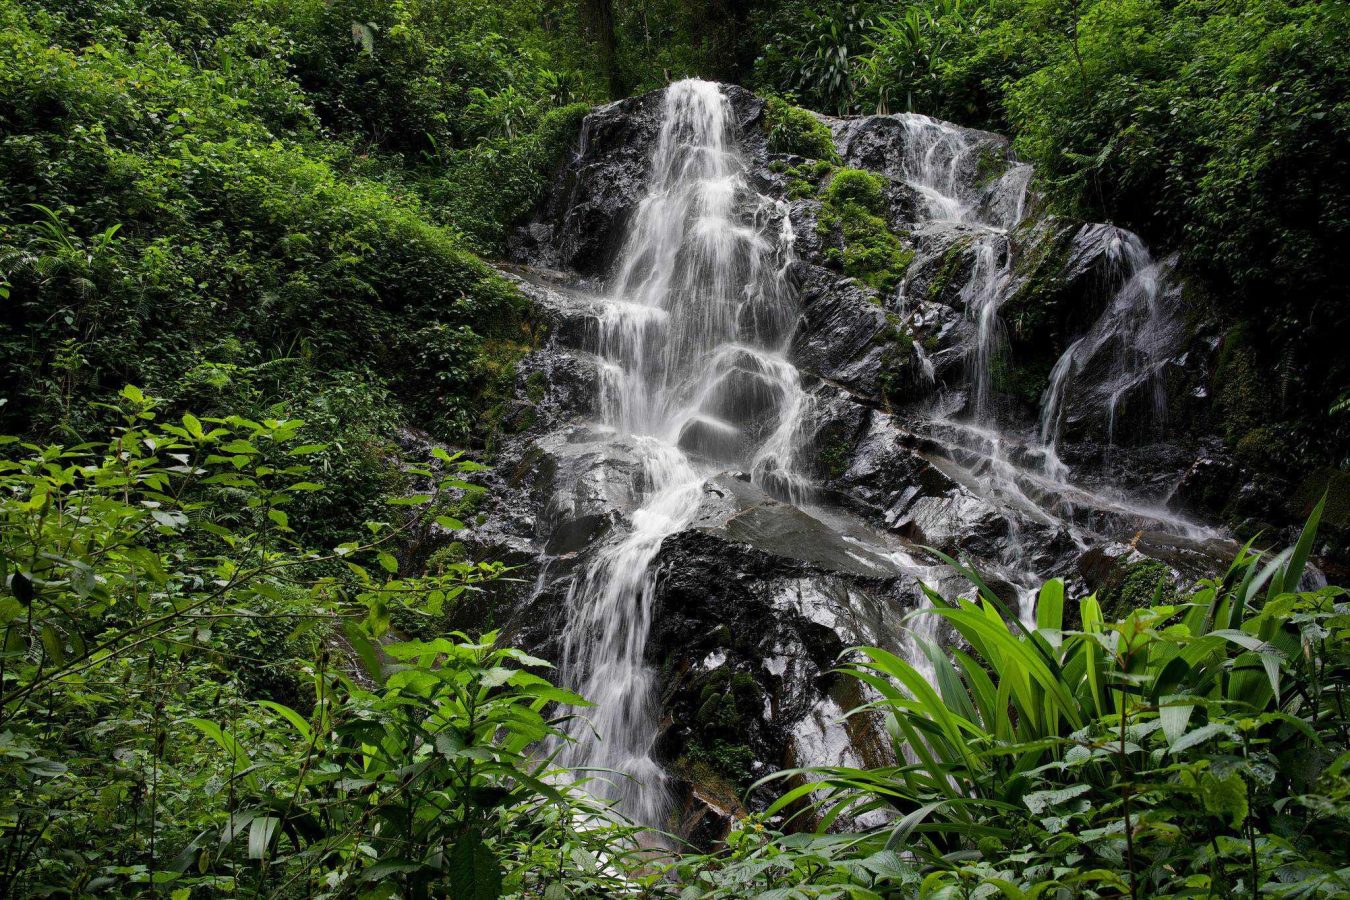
[[693, 337], [1130, 340], [935, 156], [982, 294], [1120, 355]]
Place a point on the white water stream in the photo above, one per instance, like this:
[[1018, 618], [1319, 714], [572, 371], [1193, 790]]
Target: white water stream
[[1123, 352], [693, 337]]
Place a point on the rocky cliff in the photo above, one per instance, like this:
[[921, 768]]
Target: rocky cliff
[[1028, 393]]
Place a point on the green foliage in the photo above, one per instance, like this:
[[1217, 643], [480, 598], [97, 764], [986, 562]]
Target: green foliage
[[174, 713], [425, 76], [796, 131], [180, 213], [811, 50], [492, 186], [758, 862], [857, 186], [1192, 747], [727, 700]]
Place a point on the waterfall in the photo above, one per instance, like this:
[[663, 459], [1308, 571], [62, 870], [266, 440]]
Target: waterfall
[[1129, 341], [1125, 349], [942, 163], [935, 154], [939, 162], [982, 294], [693, 338]]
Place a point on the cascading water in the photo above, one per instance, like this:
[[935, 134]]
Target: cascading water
[[1125, 350], [1135, 332], [692, 337], [986, 289], [941, 164], [690, 344], [939, 160]]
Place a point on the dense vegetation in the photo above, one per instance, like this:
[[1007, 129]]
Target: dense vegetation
[[273, 215], [1218, 128], [196, 703]]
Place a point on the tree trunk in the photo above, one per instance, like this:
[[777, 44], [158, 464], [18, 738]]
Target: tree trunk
[[600, 14]]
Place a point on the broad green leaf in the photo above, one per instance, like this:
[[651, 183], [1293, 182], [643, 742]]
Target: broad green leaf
[[475, 873], [260, 833]]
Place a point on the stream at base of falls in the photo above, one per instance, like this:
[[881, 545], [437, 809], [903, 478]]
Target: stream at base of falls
[[705, 422]]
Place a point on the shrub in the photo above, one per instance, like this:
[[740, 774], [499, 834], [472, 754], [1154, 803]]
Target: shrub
[[174, 710], [1176, 749], [796, 131]]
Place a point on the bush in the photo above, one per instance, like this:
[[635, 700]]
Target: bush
[[170, 685], [794, 130], [164, 187], [487, 190]]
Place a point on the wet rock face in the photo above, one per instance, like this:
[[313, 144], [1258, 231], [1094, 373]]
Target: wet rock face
[[582, 222], [841, 334], [756, 596], [746, 641]]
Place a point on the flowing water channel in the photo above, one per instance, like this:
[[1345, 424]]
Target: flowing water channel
[[693, 336], [1122, 353]]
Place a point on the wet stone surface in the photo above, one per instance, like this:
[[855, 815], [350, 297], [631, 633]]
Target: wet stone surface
[[758, 591]]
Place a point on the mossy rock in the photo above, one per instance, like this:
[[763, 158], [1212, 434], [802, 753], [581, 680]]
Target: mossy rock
[[1335, 485], [1034, 311], [1334, 535], [1144, 583], [796, 131], [730, 760], [727, 703], [711, 781], [536, 386], [954, 261], [990, 166], [897, 359], [853, 206], [835, 451]]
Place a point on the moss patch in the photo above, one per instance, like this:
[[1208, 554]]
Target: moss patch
[[1335, 484], [1145, 583], [803, 181], [953, 262], [1032, 312], [835, 452], [990, 166], [1240, 389], [853, 206], [897, 359], [727, 702], [794, 130]]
